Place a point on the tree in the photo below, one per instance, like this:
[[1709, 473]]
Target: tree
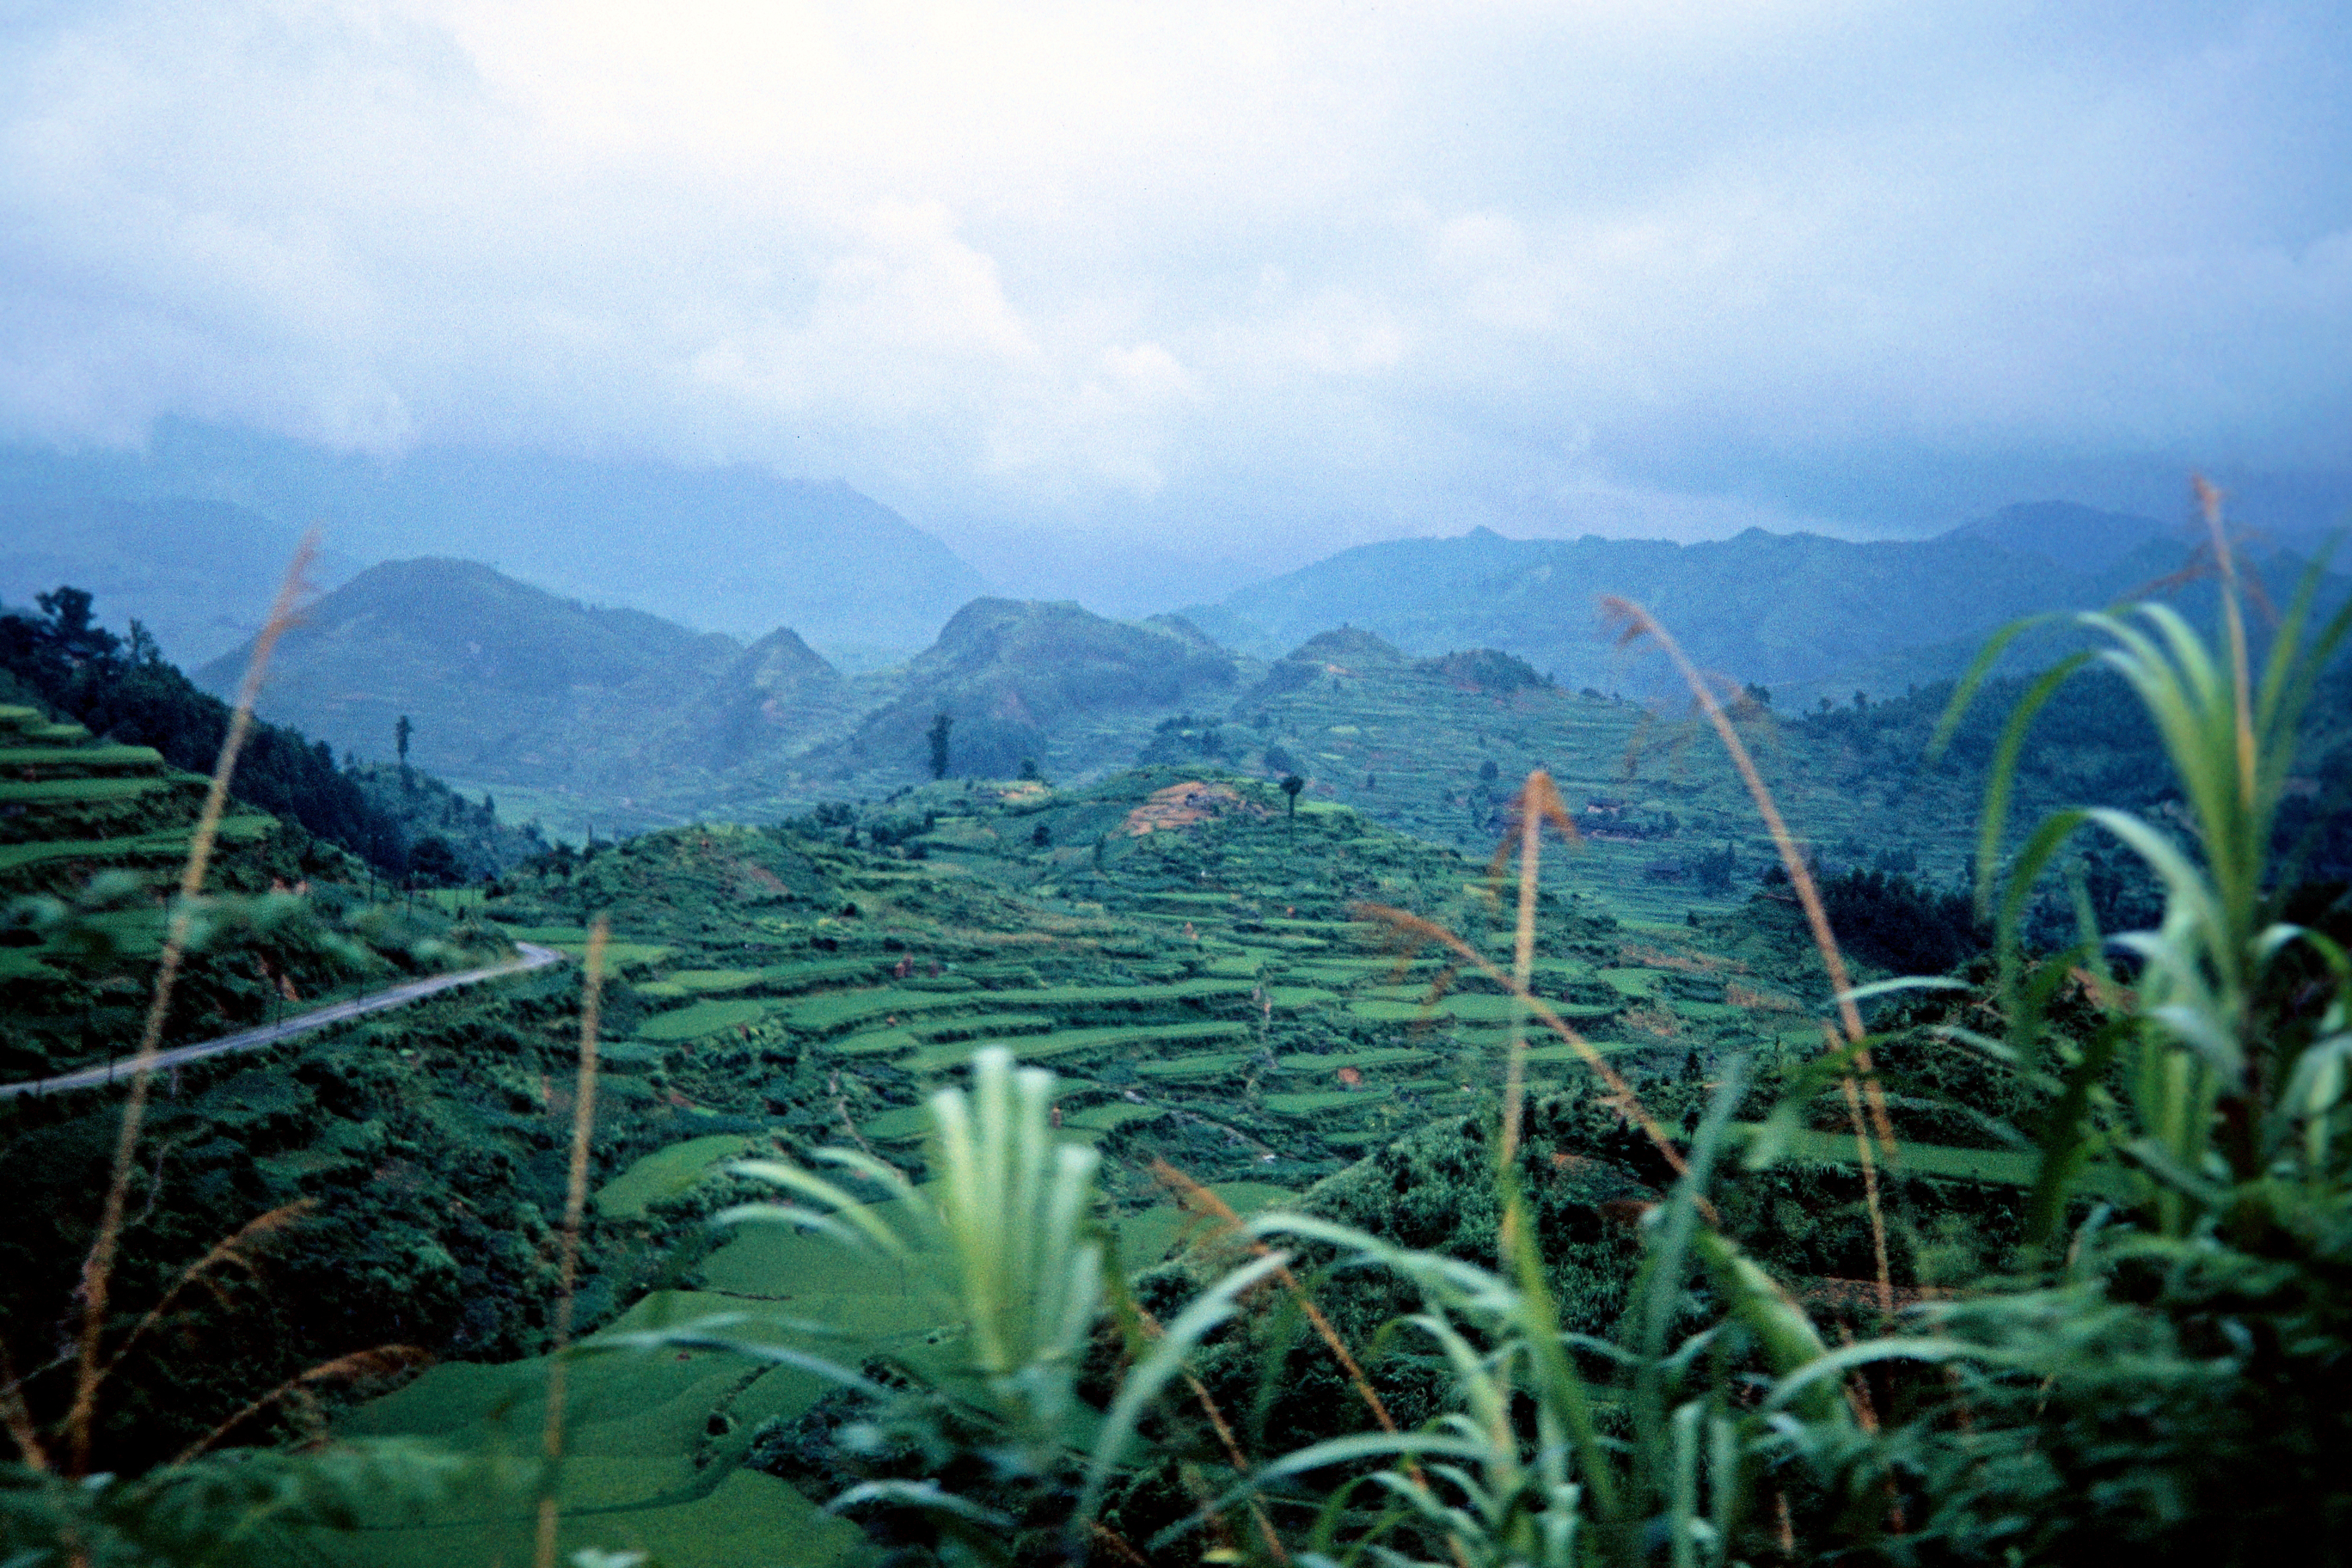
[[1030, 772], [433, 862], [400, 733], [71, 630], [938, 737], [1291, 784]]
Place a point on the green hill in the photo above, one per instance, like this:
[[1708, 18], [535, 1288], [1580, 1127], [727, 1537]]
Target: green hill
[[502, 682], [1436, 748], [587, 718], [775, 699], [1044, 682]]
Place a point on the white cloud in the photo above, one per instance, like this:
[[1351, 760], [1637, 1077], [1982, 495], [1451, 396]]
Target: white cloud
[[1200, 268]]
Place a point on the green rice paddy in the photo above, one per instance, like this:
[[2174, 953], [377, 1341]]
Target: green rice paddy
[[702, 1018], [667, 1173]]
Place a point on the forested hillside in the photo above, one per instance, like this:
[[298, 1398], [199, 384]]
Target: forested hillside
[[61, 659]]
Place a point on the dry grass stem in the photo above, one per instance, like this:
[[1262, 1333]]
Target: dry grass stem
[[2209, 502], [1869, 1197], [17, 1418], [98, 1266], [1194, 1193], [1413, 928], [380, 1361], [1637, 623], [1537, 804], [229, 1250], [1118, 1543], [1227, 1439], [575, 1208]]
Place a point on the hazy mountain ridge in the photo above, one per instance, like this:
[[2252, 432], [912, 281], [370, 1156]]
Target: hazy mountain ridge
[[2081, 540], [636, 718], [199, 575], [737, 548], [631, 720], [1796, 611]]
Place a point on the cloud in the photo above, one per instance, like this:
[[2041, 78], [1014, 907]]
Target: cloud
[[1213, 274]]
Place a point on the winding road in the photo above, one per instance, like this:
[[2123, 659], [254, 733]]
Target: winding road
[[533, 957]]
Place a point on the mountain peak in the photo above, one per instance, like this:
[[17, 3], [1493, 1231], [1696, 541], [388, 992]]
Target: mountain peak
[[2077, 539]]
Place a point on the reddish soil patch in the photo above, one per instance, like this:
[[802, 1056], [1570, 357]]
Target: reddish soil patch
[[1182, 804], [1741, 995], [1686, 963], [1662, 1022]]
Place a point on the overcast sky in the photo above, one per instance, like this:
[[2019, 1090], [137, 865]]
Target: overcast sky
[[1072, 285]]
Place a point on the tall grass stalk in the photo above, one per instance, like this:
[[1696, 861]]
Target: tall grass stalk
[[1210, 1202], [575, 1210], [2220, 1088], [1634, 623], [1408, 932], [98, 1266], [1538, 803]]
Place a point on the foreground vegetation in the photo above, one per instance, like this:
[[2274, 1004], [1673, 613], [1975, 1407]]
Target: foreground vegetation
[[1372, 1209]]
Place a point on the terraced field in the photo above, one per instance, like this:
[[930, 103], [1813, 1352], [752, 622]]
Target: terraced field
[[1434, 748], [655, 1456], [70, 808], [1207, 992]]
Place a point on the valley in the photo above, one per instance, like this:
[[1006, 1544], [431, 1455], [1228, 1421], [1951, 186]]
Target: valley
[[1175, 944], [1184, 880], [1172, 787]]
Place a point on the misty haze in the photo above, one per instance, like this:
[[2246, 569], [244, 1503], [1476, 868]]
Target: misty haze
[[932, 784]]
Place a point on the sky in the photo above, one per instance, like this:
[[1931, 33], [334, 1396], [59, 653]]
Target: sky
[[1119, 296]]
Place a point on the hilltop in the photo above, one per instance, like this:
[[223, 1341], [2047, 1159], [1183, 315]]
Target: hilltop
[[1043, 682]]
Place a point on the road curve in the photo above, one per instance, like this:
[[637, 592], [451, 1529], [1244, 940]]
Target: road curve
[[533, 957]]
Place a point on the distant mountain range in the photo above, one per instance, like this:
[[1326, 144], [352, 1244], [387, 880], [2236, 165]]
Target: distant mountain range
[[736, 549], [625, 718], [1798, 613]]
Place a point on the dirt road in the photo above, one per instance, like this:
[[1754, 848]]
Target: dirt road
[[533, 957]]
